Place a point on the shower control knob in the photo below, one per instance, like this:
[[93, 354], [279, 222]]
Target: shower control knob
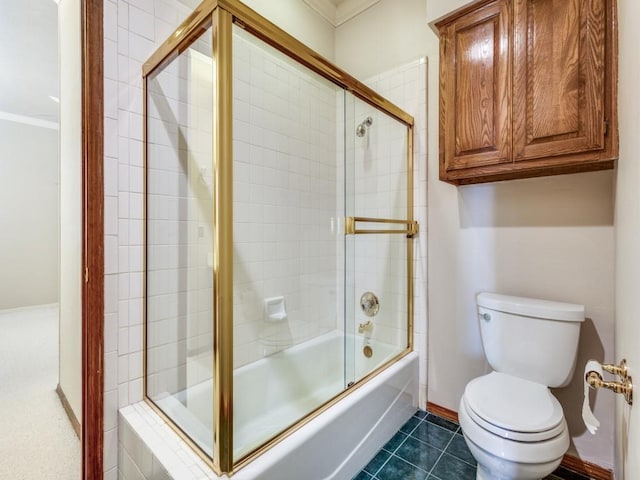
[[369, 304]]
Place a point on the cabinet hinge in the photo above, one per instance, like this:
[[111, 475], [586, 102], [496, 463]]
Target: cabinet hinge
[[86, 275], [606, 127]]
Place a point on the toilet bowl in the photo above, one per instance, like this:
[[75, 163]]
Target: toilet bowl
[[513, 425], [519, 434]]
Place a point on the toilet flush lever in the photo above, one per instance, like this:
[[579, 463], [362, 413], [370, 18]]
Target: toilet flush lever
[[625, 386]]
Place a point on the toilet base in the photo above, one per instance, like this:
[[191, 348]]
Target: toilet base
[[482, 474], [493, 468]]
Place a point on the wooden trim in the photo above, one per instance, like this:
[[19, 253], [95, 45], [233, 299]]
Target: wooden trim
[[93, 240], [575, 464], [443, 412], [593, 471], [68, 410], [459, 13]]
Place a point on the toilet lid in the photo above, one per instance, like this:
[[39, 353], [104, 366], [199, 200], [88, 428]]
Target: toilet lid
[[514, 408]]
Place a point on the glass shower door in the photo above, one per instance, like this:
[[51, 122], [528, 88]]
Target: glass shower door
[[378, 223], [255, 154], [288, 349], [178, 232]]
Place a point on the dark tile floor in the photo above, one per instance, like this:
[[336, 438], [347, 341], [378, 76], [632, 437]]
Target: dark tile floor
[[430, 447]]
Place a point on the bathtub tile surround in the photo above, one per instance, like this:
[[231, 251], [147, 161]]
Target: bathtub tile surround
[[150, 449], [285, 200], [135, 29], [440, 455]]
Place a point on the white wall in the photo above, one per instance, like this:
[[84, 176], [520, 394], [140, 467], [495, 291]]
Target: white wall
[[382, 38], [29, 215], [627, 234], [436, 9], [298, 19], [548, 237], [70, 376]]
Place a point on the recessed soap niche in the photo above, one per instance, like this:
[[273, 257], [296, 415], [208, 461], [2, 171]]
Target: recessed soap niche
[[275, 309]]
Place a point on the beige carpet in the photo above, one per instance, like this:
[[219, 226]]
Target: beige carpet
[[37, 440]]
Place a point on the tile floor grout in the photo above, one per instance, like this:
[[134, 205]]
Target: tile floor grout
[[442, 452], [438, 428]]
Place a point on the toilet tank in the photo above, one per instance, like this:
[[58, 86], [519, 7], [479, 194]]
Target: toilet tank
[[530, 338]]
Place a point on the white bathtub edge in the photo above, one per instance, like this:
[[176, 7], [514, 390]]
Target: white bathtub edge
[[148, 448], [287, 458]]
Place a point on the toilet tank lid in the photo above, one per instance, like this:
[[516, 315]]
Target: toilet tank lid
[[532, 307]]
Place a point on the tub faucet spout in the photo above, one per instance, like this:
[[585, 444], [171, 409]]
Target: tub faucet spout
[[365, 326]]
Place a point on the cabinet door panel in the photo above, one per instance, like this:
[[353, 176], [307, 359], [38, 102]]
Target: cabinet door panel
[[559, 67], [474, 74]]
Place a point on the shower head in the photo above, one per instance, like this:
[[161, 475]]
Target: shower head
[[361, 129]]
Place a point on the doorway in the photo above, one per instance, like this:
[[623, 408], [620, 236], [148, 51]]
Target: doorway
[[30, 288], [40, 244]]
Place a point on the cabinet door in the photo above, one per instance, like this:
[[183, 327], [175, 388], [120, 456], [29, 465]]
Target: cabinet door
[[475, 123], [559, 81]]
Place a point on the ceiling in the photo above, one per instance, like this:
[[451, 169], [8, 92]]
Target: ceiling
[[29, 52], [338, 12], [29, 58]]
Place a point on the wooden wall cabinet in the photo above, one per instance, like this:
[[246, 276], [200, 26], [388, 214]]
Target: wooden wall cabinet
[[527, 88]]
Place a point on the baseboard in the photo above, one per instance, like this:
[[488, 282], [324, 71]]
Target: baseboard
[[67, 408], [442, 412], [575, 464], [593, 471]]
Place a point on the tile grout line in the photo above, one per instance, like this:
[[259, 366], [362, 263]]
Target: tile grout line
[[459, 431], [442, 453], [393, 454], [430, 474], [421, 420]]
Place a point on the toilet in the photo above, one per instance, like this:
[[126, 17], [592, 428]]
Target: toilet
[[512, 423]]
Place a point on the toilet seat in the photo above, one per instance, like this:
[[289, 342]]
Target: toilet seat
[[513, 408], [509, 449]]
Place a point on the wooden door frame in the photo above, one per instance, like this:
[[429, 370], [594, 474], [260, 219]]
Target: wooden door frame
[[92, 239]]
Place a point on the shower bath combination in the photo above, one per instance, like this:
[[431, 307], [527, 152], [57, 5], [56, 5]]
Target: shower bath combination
[[242, 176]]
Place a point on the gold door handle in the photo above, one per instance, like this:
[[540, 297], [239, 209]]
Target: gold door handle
[[351, 226]]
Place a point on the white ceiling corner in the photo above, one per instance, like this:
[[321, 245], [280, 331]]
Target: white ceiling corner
[[350, 8], [338, 12], [29, 61], [325, 8]]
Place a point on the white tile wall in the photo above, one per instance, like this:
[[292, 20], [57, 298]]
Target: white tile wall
[[144, 454], [132, 31], [179, 212], [285, 200]]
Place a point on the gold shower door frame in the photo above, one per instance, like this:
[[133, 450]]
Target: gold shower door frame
[[220, 15]]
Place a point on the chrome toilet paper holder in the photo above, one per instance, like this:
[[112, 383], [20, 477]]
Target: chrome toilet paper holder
[[624, 387]]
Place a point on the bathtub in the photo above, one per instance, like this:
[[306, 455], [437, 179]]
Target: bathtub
[[274, 392]]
